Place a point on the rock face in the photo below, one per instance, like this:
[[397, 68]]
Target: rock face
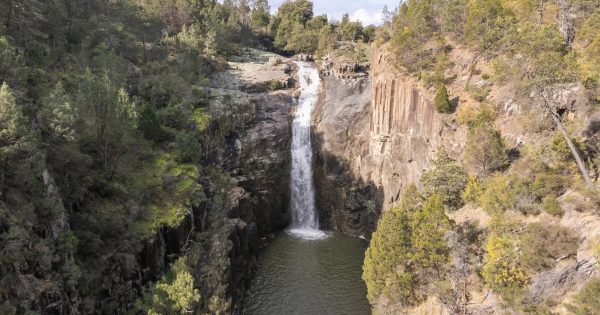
[[256, 156], [374, 137], [261, 164], [346, 201], [404, 130], [556, 283]]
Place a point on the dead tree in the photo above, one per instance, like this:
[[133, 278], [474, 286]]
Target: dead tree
[[574, 150]]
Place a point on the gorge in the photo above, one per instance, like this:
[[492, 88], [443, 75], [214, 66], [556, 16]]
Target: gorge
[[306, 270], [228, 157]]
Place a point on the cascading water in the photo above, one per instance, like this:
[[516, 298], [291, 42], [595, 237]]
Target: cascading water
[[305, 221], [296, 276]]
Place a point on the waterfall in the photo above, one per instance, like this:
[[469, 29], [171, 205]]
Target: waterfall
[[305, 221]]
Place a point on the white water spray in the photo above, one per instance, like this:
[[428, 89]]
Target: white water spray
[[305, 221]]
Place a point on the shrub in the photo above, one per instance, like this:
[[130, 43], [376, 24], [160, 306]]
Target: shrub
[[407, 250], [67, 243], [549, 184], [445, 178], [501, 192], [429, 225], [485, 148], [485, 23], [174, 115], [587, 300], [467, 114], [527, 204], [473, 190], [551, 205], [385, 269], [188, 148], [149, 125], [442, 102], [275, 85], [561, 149], [543, 245], [201, 119], [503, 267], [175, 292], [480, 94]]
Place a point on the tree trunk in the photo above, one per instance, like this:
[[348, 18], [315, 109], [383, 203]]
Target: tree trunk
[[565, 22], [572, 147], [10, 9]]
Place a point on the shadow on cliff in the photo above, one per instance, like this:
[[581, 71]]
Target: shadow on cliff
[[346, 202]]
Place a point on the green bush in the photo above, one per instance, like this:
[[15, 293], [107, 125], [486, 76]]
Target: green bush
[[551, 205], [542, 245], [407, 250], [174, 293], [188, 148], [275, 85], [549, 183], [442, 102], [445, 178], [175, 115], [561, 150], [149, 126], [473, 190], [480, 94], [587, 300], [501, 192], [503, 269], [486, 150], [385, 269]]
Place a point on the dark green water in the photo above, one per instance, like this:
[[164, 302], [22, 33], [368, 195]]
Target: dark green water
[[297, 276]]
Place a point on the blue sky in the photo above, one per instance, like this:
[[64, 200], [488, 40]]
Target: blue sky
[[366, 11]]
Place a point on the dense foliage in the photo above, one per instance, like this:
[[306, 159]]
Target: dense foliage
[[445, 178], [507, 62], [296, 29], [105, 137], [408, 250], [441, 101]]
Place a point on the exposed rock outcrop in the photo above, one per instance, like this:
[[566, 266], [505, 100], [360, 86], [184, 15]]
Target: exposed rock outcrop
[[256, 158], [344, 199], [374, 137], [556, 283]]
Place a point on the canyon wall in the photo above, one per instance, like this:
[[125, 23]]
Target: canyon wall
[[374, 137], [225, 230]]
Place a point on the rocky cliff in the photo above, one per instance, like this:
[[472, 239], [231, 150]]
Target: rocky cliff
[[221, 236], [374, 137]]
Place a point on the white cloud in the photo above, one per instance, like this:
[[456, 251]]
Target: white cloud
[[367, 17], [366, 11]]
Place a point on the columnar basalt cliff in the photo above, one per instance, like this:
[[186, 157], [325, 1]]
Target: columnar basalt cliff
[[374, 136], [404, 128]]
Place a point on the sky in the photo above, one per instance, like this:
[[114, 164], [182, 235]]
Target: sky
[[366, 11]]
